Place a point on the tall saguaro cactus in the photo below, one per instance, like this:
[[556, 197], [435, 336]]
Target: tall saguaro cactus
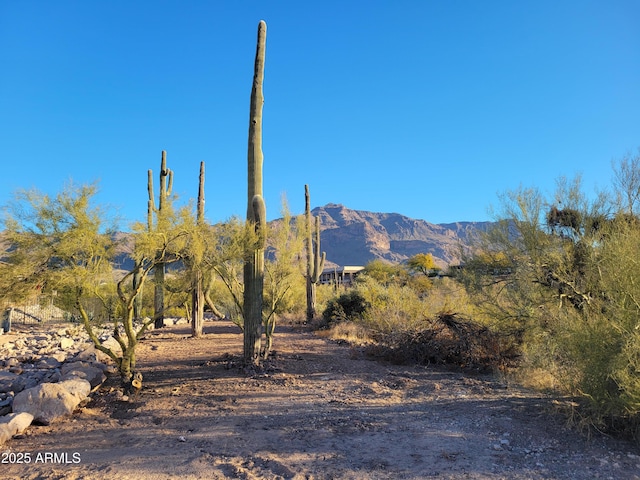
[[166, 183], [256, 212], [315, 262], [197, 295]]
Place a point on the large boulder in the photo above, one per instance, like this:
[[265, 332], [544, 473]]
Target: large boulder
[[91, 373], [91, 354], [77, 387], [5, 433], [51, 361], [49, 401], [14, 424]]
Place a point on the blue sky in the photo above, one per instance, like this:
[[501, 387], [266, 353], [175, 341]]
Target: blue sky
[[425, 108]]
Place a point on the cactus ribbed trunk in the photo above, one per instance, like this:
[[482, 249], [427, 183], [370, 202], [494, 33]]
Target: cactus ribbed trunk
[[166, 181], [256, 212], [315, 261], [197, 295]]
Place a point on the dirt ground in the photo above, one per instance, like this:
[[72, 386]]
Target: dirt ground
[[320, 410]]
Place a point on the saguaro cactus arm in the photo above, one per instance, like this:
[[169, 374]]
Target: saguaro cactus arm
[[166, 180], [150, 202], [200, 214], [318, 262], [260, 218]]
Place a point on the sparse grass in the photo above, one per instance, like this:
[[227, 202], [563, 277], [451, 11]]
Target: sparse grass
[[350, 332], [536, 378]]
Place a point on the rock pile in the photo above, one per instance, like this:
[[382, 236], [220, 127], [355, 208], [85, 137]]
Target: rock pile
[[45, 376]]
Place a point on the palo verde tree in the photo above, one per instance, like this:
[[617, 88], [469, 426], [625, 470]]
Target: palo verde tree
[[386, 273], [423, 263], [61, 244], [224, 260], [626, 182], [567, 288], [282, 270], [226, 248], [56, 244], [256, 213], [152, 248]]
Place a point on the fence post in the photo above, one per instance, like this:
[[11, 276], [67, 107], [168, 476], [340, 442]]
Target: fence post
[[6, 320]]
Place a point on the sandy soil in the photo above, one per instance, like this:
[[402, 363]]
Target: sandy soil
[[320, 410]]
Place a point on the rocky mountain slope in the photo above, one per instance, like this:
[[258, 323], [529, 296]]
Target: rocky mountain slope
[[355, 237]]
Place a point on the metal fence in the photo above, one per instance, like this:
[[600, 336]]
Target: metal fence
[[38, 310]]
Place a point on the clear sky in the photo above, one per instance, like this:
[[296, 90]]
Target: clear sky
[[427, 108]]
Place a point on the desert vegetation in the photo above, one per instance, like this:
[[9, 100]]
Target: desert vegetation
[[566, 287], [59, 245], [549, 296]]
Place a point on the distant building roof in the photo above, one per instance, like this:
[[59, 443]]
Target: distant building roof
[[344, 269]]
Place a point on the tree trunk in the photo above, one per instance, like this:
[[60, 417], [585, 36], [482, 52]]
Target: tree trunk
[[197, 306], [137, 303], [212, 306], [158, 296], [127, 364]]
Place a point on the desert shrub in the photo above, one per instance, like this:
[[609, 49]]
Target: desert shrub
[[324, 294], [449, 339], [392, 307], [567, 283], [349, 306], [403, 325], [386, 273], [396, 307], [421, 284]]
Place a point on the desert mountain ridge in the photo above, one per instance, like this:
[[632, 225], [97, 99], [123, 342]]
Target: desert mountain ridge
[[356, 237]]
